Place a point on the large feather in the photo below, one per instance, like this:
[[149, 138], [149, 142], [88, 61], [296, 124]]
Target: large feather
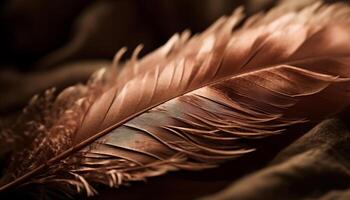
[[193, 103]]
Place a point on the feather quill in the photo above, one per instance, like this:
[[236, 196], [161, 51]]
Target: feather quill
[[191, 104]]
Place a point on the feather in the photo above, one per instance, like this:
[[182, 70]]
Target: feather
[[191, 104]]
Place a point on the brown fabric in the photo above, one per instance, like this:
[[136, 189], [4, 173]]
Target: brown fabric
[[316, 166]]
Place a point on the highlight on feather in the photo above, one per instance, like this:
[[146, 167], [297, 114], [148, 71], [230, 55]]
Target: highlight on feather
[[193, 103]]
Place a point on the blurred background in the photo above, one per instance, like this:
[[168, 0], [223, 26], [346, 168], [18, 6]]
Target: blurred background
[[46, 43]]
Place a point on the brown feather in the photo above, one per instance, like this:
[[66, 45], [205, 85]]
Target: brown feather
[[193, 103]]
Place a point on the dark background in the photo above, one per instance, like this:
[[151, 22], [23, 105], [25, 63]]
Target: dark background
[[45, 43]]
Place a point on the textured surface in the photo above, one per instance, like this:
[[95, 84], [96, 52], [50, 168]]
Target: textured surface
[[316, 166]]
